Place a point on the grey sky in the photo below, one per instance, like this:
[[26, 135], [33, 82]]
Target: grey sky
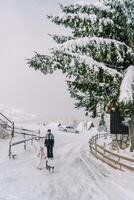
[[23, 30]]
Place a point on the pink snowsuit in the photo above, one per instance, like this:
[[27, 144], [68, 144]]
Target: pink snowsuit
[[41, 159]]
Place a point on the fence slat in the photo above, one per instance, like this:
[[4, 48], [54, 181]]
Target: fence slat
[[115, 167], [94, 150], [23, 141], [114, 154]]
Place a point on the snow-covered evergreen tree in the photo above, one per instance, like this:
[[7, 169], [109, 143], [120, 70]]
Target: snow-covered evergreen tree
[[98, 57]]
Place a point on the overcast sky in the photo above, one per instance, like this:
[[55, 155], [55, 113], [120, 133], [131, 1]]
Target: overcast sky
[[23, 30]]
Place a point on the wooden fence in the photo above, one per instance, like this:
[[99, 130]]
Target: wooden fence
[[112, 159], [32, 138], [12, 129], [8, 124]]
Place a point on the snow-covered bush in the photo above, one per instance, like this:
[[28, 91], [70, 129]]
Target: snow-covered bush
[[3, 134]]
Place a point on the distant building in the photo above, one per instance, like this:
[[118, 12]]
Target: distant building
[[85, 126]]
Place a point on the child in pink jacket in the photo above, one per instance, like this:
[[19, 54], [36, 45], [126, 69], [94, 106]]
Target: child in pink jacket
[[41, 159]]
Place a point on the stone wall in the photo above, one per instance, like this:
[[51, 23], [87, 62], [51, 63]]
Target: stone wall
[[120, 140]]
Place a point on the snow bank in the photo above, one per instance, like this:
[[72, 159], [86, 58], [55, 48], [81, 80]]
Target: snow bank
[[127, 86]]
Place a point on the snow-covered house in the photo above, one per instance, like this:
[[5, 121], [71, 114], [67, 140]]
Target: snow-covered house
[[85, 126]]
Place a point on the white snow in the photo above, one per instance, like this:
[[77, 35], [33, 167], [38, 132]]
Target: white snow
[[91, 17], [92, 64], [77, 175], [99, 43], [91, 4], [105, 21], [70, 47], [82, 42], [127, 86]]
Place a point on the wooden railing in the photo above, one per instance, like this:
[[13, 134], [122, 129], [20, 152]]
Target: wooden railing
[[32, 138], [4, 119], [34, 135], [112, 159]]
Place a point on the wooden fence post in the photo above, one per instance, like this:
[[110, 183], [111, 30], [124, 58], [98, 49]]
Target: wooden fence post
[[39, 139], [32, 140], [104, 146], [10, 141], [24, 141], [95, 146], [90, 145], [97, 136], [105, 137], [13, 130], [10, 147]]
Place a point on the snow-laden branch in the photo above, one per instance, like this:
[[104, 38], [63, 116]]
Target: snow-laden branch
[[80, 17], [92, 64], [126, 6], [95, 41], [127, 86], [90, 4], [95, 46], [60, 39], [91, 17]]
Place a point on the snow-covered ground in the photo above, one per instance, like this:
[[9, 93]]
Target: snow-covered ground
[[77, 176]]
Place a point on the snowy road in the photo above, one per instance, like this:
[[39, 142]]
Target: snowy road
[[77, 176]]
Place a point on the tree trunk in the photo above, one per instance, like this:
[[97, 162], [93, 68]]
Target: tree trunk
[[131, 132]]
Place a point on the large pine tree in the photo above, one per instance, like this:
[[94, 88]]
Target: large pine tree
[[98, 57]]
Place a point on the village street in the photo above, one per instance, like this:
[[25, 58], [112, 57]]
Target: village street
[[77, 175]]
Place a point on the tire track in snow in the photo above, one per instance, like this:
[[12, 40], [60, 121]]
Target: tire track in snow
[[74, 181], [104, 178]]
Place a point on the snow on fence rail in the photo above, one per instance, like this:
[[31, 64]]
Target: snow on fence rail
[[10, 126], [112, 159], [6, 121], [32, 138], [24, 141]]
